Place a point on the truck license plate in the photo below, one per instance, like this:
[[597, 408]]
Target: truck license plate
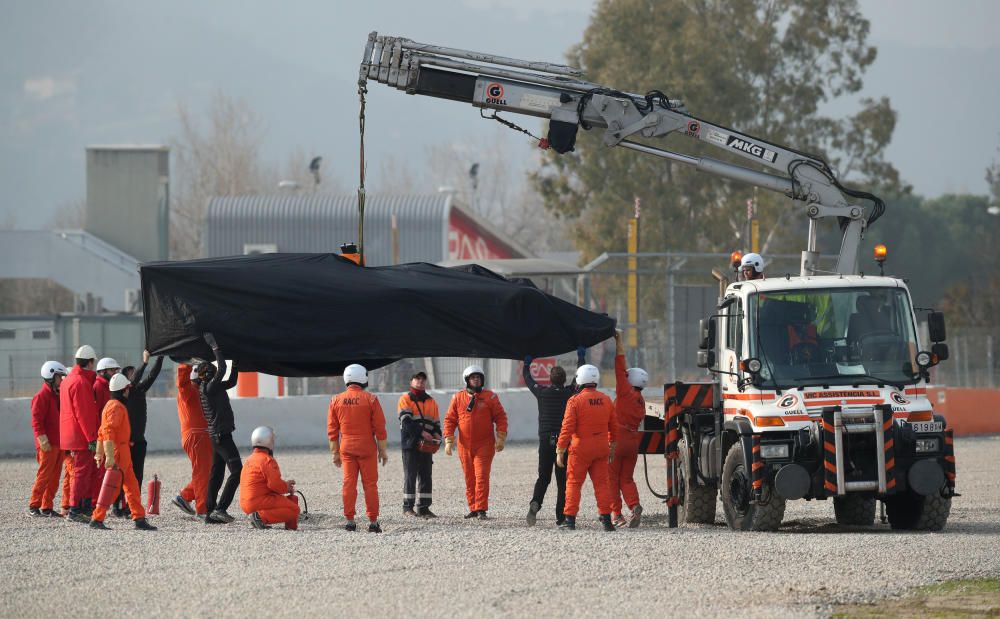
[[927, 426]]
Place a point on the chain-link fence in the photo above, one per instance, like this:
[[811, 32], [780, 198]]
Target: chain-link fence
[[974, 352], [677, 290]]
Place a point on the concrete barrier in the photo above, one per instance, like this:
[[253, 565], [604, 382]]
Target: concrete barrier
[[299, 421], [968, 411]]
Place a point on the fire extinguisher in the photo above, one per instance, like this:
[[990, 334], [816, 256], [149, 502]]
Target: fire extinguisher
[[153, 496], [110, 488], [303, 515]]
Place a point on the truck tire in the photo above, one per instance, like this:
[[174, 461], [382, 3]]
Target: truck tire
[[697, 502], [741, 513], [909, 511], [854, 509]]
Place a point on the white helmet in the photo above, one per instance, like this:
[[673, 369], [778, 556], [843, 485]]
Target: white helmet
[[85, 352], [262, 437], [51, 368], [118, 382], [638, 377], [355, 373], [588, 375], [753, 260], [473, 369], [107, 363]]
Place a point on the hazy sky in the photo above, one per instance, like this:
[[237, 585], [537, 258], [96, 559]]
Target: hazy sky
[[113, 71]]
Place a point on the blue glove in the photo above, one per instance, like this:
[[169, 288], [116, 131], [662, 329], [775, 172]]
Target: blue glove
[[581, 355], [528, 359]]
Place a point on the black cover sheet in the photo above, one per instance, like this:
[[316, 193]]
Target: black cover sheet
[[312, 314]]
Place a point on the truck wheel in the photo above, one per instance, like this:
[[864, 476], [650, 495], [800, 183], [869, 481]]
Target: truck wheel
[[697, 502], [910, 511], [741, 513], [854, 509]]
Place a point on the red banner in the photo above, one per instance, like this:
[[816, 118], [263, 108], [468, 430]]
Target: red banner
[[468, 241], [540, 369]]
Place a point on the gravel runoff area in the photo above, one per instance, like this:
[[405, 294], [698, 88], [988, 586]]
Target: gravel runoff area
[[470, 568]]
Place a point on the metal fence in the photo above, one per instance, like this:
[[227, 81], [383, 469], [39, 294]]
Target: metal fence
[[974, 352], [678, 290]]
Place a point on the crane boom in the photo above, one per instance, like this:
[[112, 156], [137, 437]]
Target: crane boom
[[559, 94]]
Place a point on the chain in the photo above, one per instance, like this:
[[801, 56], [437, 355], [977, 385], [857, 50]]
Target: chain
[[362, 90], [503, 121]]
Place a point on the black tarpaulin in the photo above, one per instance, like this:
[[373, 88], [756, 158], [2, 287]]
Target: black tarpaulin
[[312, 314]]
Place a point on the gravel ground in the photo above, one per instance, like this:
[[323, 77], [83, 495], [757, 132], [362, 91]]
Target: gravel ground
[[497, 567]]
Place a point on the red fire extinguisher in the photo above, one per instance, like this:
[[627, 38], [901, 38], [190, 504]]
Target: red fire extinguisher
[[110, 488], [153, 496]]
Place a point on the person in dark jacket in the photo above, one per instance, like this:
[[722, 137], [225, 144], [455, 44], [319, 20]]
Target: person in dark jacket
[[136, 404], [419, 427], [551, 408], [140, 385], [221, 425]]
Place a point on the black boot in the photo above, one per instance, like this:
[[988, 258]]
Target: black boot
[[568, 523], [472, 514], [98, 524], [34, 512], [533, 508], [606, 522], [143, 525], [76, 514], [408, 511], [257, 522], [425, 512]]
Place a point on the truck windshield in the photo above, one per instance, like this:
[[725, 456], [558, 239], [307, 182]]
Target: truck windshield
[[834, 336]]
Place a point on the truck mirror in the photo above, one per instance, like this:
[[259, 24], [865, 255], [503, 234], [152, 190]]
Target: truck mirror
[[706, 327], [940, 350], [935, 327], [706, 358]]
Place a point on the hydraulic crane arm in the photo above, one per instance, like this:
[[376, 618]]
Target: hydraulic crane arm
[[559, 94]]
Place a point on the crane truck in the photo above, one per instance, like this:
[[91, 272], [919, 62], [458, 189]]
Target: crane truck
[[816, 384]]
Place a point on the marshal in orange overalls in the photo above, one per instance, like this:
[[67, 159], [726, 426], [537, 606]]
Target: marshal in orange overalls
[[356, 422], [194, 439], [45, 422], [630, 408], [262, 490], [589, 429], [115, 428], [476, 440]]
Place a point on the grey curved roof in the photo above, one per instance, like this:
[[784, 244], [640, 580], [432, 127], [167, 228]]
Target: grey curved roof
[[321, 222]]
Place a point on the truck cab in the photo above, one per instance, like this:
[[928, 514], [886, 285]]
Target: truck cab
[[820, 392]]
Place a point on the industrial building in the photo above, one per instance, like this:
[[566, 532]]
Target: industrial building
[[398, 229]]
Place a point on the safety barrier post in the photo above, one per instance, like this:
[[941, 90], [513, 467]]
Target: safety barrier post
[[757, 470]]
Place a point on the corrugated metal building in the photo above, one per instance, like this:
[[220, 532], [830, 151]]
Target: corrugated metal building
[[431, 228]]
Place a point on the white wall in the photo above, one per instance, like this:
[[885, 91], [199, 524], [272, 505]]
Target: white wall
[[299, 421]]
